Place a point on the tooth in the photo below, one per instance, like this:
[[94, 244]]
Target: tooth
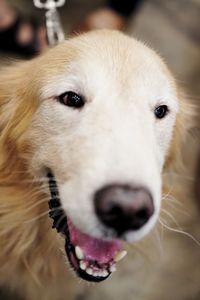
[[83, 265], [96, 273], [120, 255], [89, 271], [104, 273], [113, 268], [79, 252], [100, 273]]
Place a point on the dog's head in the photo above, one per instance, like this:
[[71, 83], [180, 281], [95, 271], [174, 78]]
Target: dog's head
[[100, 114]]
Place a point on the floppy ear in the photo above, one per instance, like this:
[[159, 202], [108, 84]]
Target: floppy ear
[[18, 102], [184, 127]]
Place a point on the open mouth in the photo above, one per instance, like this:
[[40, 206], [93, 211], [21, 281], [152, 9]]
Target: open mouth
[[92, 259]]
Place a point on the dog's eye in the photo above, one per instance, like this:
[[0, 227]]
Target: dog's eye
[[161, 111], [71, 99]]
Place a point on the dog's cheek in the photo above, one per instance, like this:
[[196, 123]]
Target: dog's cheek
[[186, 121], [164, 137]]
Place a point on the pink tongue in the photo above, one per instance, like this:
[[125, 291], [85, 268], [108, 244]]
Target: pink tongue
[[94, 249]]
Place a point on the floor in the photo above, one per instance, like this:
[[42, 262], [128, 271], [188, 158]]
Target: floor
[[171, 27]]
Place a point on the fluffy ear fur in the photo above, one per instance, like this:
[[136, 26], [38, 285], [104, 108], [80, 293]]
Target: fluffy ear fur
[[17, 105], [23, 221]]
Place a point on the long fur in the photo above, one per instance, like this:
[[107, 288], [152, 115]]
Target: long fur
[[30, 260], [23, 207]]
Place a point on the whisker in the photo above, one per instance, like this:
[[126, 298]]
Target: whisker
[[179, 231], [36, 218], [177, 209], [179, 175], [171, 198], [171, 217], [169, 191]]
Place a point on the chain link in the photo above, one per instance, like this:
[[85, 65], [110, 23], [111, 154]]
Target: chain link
[[55, 33], [48, 4]]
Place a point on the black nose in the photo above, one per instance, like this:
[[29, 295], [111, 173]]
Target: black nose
[[123, 208]]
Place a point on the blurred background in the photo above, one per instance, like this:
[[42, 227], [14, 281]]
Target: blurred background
[[171, 27]]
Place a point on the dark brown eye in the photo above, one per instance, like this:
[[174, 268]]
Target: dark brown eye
[[71, 99], [161, 111]]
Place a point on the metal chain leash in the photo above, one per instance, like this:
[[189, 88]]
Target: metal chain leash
[[55, 33]]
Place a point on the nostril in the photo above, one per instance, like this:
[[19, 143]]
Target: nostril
[[142, 214], [115, 211], [140, 218], [123, 208], [112, 214]]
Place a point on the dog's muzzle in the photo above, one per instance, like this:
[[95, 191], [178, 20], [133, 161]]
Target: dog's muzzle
[[91, 258], [120, 208]]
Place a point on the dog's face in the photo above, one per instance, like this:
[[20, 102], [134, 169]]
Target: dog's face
[[103, 128]]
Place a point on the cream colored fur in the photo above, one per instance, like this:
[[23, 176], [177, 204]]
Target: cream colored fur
[[115, 138]]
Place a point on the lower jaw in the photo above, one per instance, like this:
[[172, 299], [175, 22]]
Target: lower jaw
[[76, 264], [86, 269]]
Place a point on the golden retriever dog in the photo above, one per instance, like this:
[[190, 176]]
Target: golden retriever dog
[[91, 139]]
